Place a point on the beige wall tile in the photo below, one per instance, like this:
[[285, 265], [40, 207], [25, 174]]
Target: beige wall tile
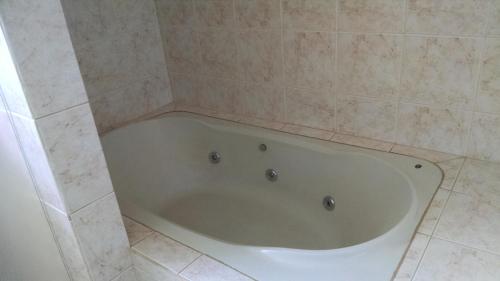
[[479, 179], [488, 99], [218, 53], [260, 56], [369, 65], [208, 269], [259, 101], [68, 244], [371, 15], [217, 94], [440, 71], [184, 89], [465, 17], [175, 12], [214, 13], [166, 252], [309, 14], [309, 59], [103, 240], [366, 118], [444, 260], [41, 48], [484, 142], [81, 177], [437, 129], [494, 19], [258, 13], [471, 221], [181, 48], [312, 108]]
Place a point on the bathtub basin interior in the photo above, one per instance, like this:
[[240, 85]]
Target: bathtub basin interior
[[164, 178]]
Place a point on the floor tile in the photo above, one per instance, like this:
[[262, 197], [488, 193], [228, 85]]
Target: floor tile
[[472, 222], [208, 269], [479, 179], [434, 211], [166, 252], [135, 231], [450, 168], [445, 261], [412, 258]]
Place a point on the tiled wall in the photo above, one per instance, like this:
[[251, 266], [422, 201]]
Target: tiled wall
[[44, 93], [424, 73], [120, 54]]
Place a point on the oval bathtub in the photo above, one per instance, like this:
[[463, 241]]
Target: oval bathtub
[[274, 229]]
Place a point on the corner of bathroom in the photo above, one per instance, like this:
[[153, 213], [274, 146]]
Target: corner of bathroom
[[235, 140]]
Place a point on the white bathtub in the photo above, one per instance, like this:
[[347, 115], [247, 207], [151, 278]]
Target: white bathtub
[[270, 230]]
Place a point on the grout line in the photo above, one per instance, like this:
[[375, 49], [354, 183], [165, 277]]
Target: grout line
[[434, 227], [184, 268], [466, 246], [483, 48], [335, 70], [421, 258]]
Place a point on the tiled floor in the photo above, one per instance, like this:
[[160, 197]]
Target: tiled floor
[[458, 239], [159, 258]]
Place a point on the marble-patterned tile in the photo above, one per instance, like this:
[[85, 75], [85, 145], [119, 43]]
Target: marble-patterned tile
[[447, 17], [214, 13], [443, 130], [450, 168], [431, 217], [11, 90], [217, 94], [36, 158], [81, 177], [181, 50], [265, 102], [488, 99], [166, 252], [260, 56], [309, 59], [309, 14], [371, 16], [103, 240], [479, 179], [184, 89], [494, 19], [430, 155], [134, 100], [274, 125], [366, 118], [175, 12], [440, 71], [135, 231], [307, 131], [151, 271], [484, 142], [444, 260], [218, 50], [311, 108], [128, 275], [412, 258], [471, 221], [41, 48], [258, 13], [68, 244], [362, 142], [369, 65], [208, 269]]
